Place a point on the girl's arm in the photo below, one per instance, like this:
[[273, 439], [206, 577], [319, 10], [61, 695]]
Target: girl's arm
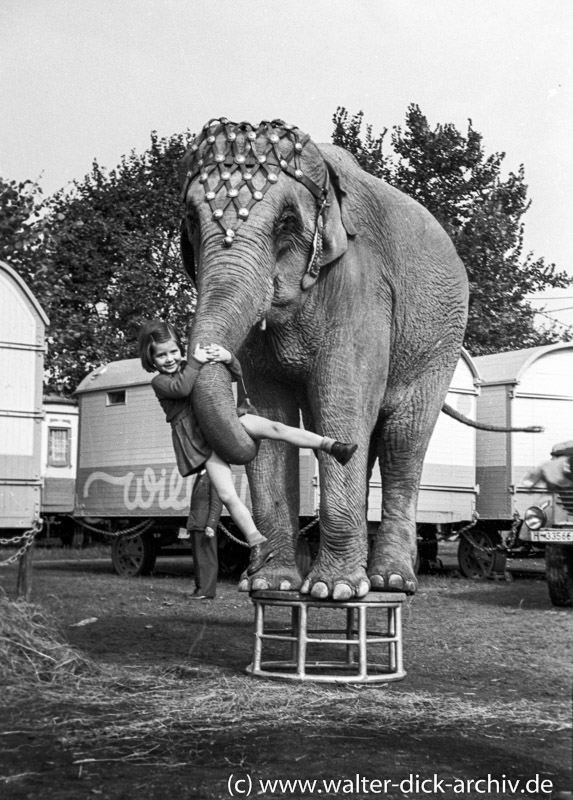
[[181, 383], [178, 385], [216, 352]]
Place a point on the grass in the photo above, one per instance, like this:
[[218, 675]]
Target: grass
[[53, 552], [124, 687], [128, 708], [152, 671], [114, 702]]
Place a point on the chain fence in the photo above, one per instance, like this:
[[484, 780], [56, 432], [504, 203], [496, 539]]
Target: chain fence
[[499, 547], [126, 533], [27, 540], [242, 542]]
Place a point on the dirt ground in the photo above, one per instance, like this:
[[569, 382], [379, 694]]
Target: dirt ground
[[487, 696]]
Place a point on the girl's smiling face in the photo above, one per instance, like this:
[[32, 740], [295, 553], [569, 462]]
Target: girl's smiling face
[[166, 357]]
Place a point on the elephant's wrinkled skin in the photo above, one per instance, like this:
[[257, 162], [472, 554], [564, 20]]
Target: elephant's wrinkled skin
[[365, 351]]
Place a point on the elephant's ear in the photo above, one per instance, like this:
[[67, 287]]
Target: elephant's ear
[[187, 252], [340, 166]]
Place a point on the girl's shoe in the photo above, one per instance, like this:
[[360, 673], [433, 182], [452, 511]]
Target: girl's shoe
[[343, 452], [260, 555]]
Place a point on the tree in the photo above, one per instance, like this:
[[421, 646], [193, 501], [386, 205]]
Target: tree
[[451, 176], [21, 227], [110, 259]]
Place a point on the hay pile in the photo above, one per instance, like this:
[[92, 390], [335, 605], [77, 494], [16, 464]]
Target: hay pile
[[33, 650]]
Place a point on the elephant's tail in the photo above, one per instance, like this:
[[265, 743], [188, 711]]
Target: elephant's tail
[[451, 412]]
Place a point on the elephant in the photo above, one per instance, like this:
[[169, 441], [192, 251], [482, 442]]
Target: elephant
[[347, 303]]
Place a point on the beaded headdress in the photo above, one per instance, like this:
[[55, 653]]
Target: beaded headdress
[[224, 148]]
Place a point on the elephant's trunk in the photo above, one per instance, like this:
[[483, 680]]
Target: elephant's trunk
[[227, 311], [214, 406]]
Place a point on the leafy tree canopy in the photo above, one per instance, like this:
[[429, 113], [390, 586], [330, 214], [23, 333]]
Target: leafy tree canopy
[[104, 255], [451, 176], [107, 258], [21, 229]]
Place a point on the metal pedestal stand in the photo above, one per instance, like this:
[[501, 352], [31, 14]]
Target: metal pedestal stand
[[355, 640]]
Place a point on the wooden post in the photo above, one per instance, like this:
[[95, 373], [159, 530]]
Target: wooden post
[[24, 582]]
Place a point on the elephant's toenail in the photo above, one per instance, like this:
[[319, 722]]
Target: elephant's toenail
[[395, 582]]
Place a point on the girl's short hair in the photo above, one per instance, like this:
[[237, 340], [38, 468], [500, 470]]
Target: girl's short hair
[[156, 332]]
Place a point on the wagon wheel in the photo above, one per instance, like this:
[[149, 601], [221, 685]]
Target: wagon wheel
[[133, 555], [478, 556], [559, 573]]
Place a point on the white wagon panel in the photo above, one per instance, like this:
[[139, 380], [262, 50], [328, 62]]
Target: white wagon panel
[[22, 330], [448, 483], [526, 387], [59, 455], [127, 465]]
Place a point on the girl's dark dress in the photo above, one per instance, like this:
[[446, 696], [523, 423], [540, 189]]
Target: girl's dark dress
[[174, 394]]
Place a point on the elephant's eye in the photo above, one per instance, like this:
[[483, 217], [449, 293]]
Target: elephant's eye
[[288, 229]]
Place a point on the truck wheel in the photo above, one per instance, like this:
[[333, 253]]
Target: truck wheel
[[478, 556], [133, 555], [559, 574]]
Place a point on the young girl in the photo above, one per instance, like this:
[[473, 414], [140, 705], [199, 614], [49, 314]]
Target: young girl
[[161, 350]]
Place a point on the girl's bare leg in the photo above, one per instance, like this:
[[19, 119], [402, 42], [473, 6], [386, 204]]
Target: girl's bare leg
[[262, 428], [221, 477]]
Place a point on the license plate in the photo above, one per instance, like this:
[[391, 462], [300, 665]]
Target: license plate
[[552, 536]]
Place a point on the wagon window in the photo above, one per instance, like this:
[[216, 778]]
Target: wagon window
[[116, 398], [59, 440]]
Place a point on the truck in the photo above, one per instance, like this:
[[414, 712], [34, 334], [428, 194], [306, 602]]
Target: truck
[[549, 523]]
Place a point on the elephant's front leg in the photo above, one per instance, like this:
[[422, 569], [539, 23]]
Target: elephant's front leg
[[340, 567], [273, 481], [274, 486]]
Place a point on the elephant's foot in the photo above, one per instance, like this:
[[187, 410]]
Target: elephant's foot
[[392, 570], [274, 575], [323, 584]]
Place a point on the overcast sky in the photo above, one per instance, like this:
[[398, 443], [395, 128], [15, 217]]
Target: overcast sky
[[84, 79]]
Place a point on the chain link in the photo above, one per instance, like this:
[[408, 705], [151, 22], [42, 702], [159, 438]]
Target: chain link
[[502, 547], [465, 534], [27, 537], [469, 526], [245, 544], [514, 532], [480, 547], [230, 535], [127, 533], [313, 522]]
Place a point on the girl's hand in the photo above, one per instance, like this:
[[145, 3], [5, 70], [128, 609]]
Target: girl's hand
[[201, 354], [216, 352], [209, 532]]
